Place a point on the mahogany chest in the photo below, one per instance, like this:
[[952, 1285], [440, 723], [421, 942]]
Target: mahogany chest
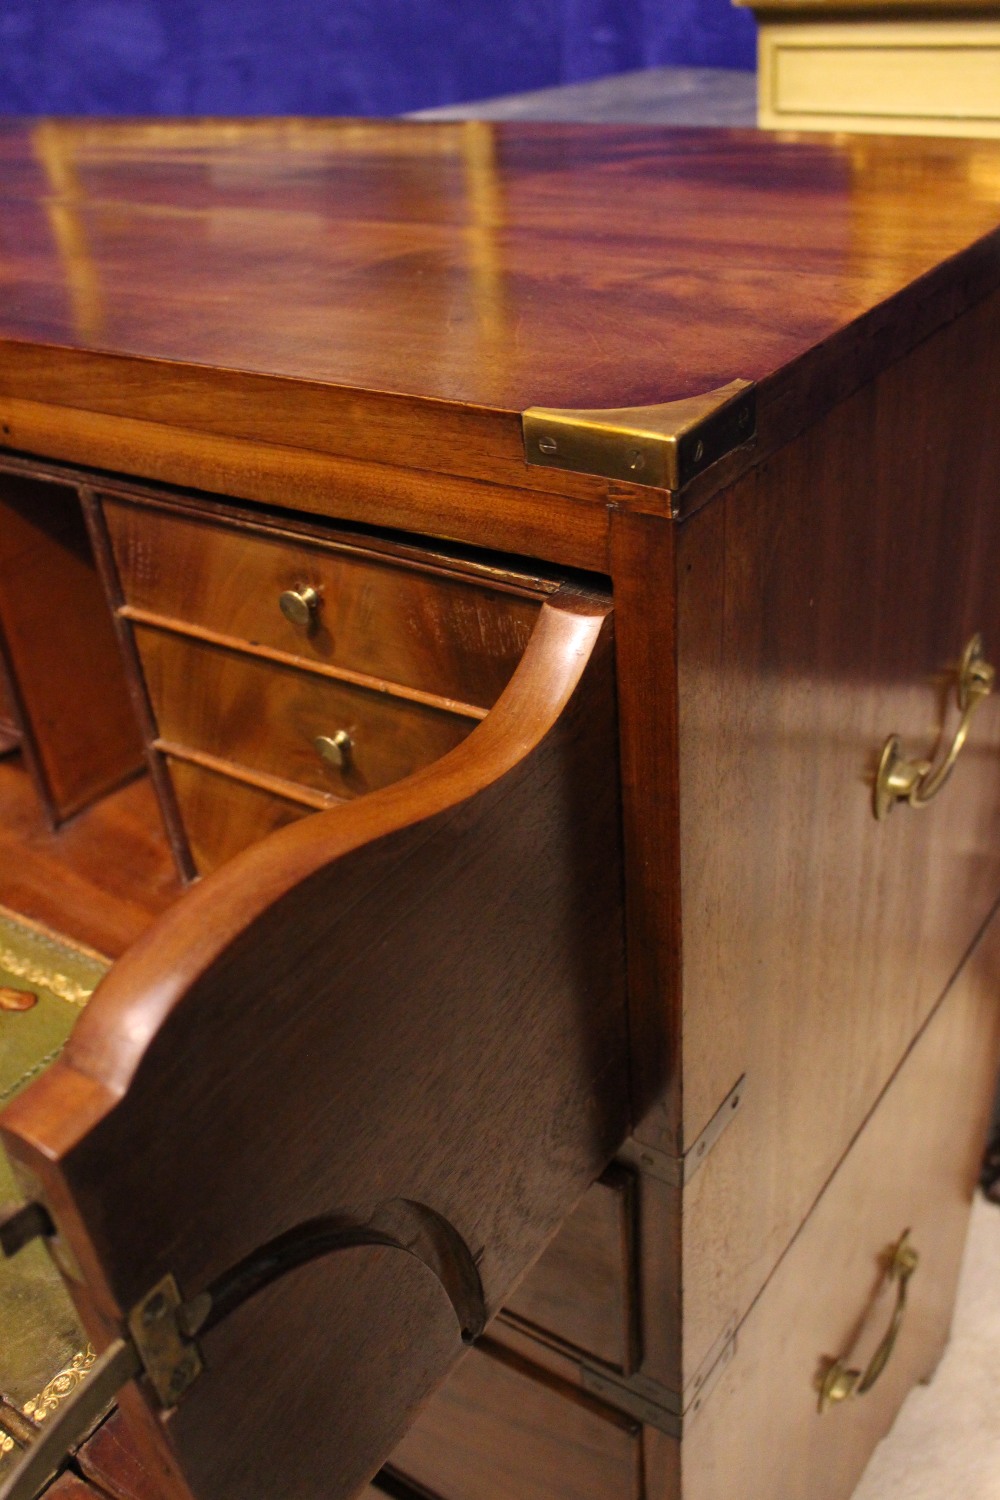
[[497, 627]]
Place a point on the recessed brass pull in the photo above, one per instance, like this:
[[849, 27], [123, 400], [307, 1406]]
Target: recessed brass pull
[[841, 1383], [335, 749], [300, 606], [915, 781]]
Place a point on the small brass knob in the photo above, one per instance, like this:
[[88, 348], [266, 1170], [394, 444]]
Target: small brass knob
[[335, 749], [300, 606]]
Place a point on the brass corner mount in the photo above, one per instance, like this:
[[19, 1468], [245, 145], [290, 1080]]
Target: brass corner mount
[[663, 446]]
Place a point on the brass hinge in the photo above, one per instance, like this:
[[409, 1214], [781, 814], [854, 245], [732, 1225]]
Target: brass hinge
[[663, 446], [677, 1171]]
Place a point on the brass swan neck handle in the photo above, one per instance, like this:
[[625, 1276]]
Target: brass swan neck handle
[[917, 781]]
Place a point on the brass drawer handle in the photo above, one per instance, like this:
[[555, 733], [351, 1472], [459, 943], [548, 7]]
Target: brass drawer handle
[[300, 606], [913, 781], [335, 749], [841, 1383]]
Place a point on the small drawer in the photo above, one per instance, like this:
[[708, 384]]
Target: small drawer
[[582, 1290], [223, 815], [268, 718], [498, 1427], [393, 620]]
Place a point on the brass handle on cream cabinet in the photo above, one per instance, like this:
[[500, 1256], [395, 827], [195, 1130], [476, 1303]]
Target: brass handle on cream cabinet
[[841, 1383], [300, 606], [914, 781]]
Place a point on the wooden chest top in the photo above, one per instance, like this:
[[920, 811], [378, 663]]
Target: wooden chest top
[[357, 288]]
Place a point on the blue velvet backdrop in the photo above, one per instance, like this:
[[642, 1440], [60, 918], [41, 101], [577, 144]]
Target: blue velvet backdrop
[[338, 56]]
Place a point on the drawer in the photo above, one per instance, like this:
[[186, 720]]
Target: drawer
[[267, 717], [421, 627], [222, 815], [913, 1168], [582, 1291], [498, 1427]]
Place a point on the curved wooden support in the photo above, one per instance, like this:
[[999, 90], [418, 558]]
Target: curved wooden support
[[417, 995]]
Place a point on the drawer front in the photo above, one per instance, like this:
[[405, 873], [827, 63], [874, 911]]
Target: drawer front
[[582, 1290], [824, 606], [913, 1168], [268, 717], [222, 816], [421, 628], [499, 1428]]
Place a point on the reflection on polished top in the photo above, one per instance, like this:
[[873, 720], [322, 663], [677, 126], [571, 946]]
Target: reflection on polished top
[[501, 266]]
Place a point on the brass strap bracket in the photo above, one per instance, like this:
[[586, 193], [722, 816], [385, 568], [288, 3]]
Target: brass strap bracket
[[655, 1405], [664, 446], [677, 1171]]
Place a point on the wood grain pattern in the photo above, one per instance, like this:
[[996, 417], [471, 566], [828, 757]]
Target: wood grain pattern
[[750, 252], [111, 1461], [347, 939], [760, 1431], [221, 816], [62, 663], [102, 878], [582, 1291], [419, 628], [501, 1427], [267, 716], [823, 606]]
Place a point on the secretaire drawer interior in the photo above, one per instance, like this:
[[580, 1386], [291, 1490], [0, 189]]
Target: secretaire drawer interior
[[283, 668]]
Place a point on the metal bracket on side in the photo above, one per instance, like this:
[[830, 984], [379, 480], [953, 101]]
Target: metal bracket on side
[[663, 446], [677, 1171], [653, 1404]]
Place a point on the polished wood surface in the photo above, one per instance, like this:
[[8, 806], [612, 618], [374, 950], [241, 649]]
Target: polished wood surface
[[222, 815], [267, 716], [774, 622], [376, 619], [111, 1461], [102, 879], [824, 604], [760, 1432], [499, 999], [501, 1427], [62, 666], [385, 290]]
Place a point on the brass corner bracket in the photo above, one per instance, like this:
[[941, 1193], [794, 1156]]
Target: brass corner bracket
[[663, 446]]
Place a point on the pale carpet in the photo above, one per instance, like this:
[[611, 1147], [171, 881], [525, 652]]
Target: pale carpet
[[945, 1444]]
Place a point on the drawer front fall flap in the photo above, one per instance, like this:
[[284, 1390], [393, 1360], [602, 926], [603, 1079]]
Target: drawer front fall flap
[[309, 1046]]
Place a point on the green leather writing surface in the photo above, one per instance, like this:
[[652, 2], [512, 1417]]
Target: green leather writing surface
[[43, 1351]]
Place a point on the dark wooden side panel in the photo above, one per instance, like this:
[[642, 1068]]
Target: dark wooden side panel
[[501, 1427], [58, 640], [583, 1290], [420, 995], [824, 605]]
